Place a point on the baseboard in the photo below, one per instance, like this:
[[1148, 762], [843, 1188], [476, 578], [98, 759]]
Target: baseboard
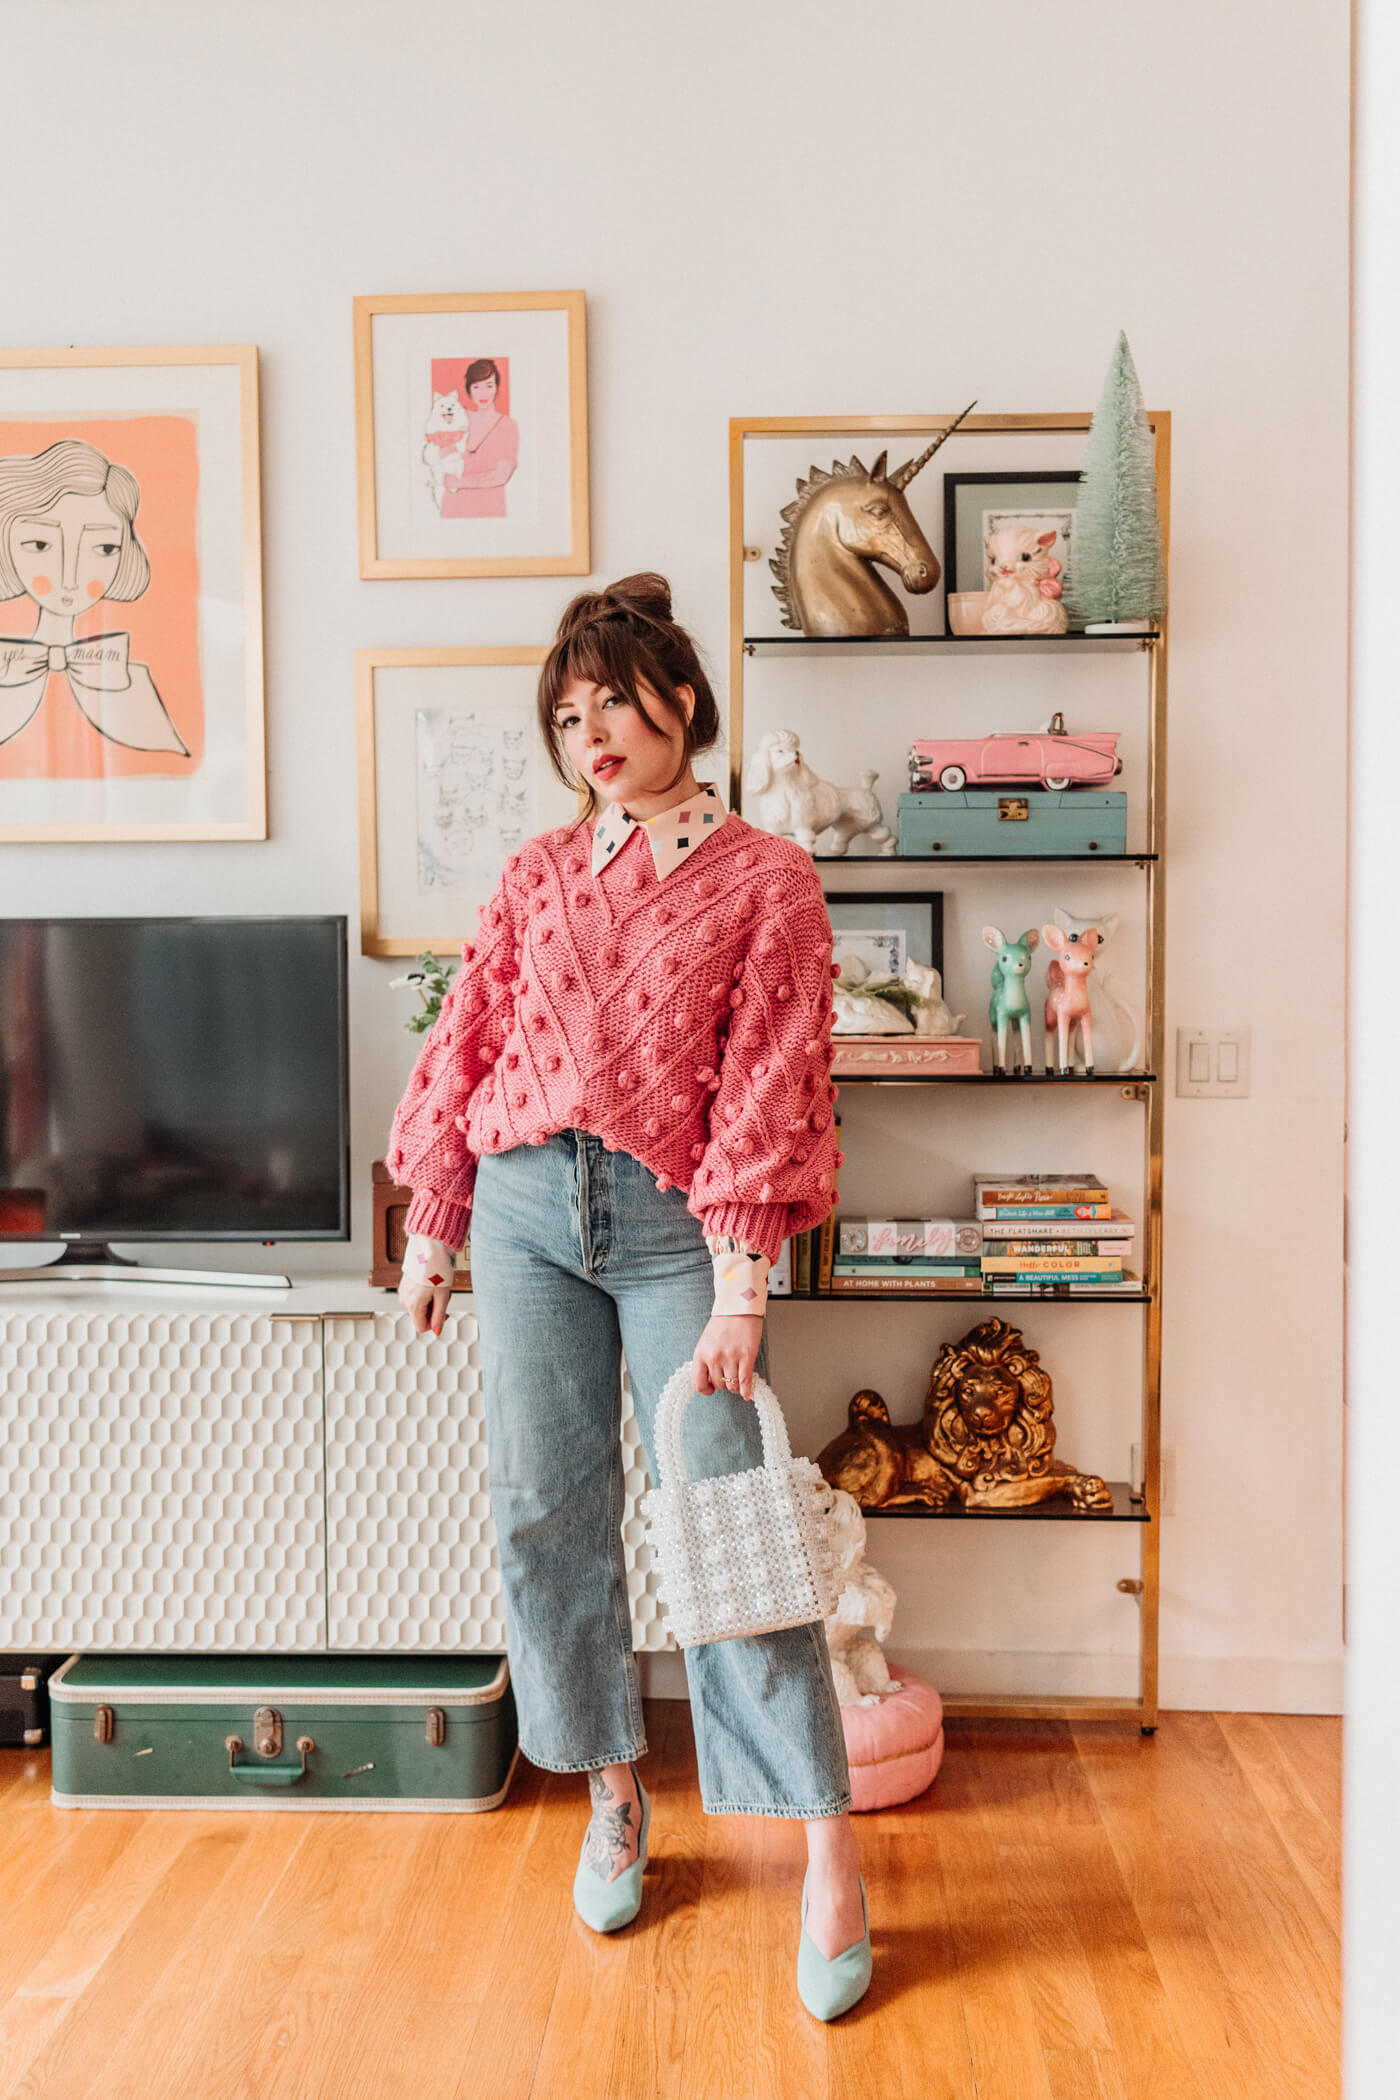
[[1189, 1683]]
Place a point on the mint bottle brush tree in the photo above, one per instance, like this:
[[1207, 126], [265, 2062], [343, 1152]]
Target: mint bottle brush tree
[[1118, 573]]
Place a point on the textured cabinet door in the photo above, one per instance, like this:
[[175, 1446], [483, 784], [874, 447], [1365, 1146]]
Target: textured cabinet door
[[161, 1482], [411, 1544]]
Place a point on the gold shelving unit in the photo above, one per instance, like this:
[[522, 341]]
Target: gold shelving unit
[[1147, 856]]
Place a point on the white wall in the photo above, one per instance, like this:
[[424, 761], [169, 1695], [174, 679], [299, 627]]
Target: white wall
[[1372, 1851], [789, 209]]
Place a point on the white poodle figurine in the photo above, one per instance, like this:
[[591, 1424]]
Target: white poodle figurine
[[794, 804], [864, 1612]]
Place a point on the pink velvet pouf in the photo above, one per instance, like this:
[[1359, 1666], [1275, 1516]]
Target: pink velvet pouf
[[894, 1749]]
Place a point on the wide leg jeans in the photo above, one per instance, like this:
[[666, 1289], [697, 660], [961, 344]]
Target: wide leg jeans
[[577, 1259]]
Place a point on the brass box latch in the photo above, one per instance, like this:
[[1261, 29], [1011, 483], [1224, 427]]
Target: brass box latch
[[437, 1727], [267, 1732], [104, 1723], [1013, 809]]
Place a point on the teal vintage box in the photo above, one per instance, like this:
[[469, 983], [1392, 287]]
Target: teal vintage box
[[988, 822], [253, 1732]]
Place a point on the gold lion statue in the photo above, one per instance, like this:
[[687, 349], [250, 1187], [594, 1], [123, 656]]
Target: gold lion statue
[[986, 1437]]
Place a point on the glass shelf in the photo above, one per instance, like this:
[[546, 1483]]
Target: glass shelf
[[895, 1078], [1052, 1294], [978, 860], [928, 644], [1124, 1511]]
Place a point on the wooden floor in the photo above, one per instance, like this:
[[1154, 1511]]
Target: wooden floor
[[1068, 1914]]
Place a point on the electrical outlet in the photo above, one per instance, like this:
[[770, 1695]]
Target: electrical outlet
[[1212, 1064]]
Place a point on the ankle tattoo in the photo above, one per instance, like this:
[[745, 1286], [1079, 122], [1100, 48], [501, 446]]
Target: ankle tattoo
[[609, 1833]]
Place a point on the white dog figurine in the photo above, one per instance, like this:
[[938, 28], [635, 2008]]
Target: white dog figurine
[[793, 803], [864, 1612]]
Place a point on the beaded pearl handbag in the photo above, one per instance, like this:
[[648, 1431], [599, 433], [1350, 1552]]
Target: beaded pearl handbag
[[743, 1552]]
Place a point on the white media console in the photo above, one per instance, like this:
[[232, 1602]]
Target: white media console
[[202, 1471]]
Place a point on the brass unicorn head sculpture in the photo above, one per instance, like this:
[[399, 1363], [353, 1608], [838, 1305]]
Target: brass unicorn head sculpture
[[839, 528]]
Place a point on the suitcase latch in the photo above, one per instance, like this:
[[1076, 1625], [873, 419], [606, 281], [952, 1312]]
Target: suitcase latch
[[267, 1732], [437, 1727], [1013, 809], [103, 1723]]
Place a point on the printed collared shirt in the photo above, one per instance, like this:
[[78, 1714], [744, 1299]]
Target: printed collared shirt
[[673, 835]]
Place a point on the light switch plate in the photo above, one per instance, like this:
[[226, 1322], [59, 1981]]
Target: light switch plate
[[1212, 1064]]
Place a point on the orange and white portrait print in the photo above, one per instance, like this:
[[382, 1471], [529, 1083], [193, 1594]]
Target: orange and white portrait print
[[99, 599]]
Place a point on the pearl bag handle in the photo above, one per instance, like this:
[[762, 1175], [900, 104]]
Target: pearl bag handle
[[676, 1396]]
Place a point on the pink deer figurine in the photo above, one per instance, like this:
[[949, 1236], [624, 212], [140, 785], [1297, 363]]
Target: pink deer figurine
[[1067, 998]]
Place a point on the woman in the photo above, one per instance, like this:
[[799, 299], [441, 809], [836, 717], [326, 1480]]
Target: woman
[[490, 451], [632, 1068]]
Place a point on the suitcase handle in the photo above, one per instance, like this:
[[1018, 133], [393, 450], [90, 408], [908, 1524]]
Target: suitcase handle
[[265, 1774]]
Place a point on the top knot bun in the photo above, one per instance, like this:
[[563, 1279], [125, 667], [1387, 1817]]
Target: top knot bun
[[647, 595]]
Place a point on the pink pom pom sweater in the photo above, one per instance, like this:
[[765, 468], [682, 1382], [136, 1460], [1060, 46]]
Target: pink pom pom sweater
[[687, 1023]]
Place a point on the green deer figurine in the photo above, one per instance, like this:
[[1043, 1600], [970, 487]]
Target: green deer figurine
[[1010, 1003]]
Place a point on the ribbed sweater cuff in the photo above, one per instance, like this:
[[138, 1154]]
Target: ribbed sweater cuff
[[437, 1219], [761, 1225]]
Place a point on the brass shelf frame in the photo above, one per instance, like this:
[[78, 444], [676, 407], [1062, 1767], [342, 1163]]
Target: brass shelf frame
[[1144, 1709]]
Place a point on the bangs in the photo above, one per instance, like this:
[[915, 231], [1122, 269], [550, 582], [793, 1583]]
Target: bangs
[[603, 654]]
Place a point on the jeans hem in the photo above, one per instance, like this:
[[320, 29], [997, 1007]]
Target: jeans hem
[[768, 1808], [591, 1764]]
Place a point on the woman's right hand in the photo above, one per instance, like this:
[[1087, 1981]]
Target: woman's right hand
[[426, 1304]]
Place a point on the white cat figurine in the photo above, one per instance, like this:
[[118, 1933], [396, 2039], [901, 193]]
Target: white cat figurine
[[444, 436]]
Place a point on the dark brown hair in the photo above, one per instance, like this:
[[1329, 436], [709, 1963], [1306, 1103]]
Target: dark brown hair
[[615, 638], [480, 368]]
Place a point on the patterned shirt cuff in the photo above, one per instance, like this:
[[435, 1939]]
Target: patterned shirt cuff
[[741, 1276], [427, 1261]]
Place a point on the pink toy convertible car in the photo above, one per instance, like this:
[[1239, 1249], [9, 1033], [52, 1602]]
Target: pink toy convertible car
[[1048, 757]]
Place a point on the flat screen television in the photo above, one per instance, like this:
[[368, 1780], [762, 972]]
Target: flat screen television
[[172, 1079]]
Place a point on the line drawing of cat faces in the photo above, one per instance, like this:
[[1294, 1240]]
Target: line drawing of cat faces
[[68, 540]]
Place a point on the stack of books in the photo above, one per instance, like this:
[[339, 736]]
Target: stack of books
[[907, 1256], [1052, 1232]]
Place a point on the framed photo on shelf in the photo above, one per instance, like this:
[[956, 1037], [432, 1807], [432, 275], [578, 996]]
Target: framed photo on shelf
[[471, 437], [976, 504], [881, 930], [452, 782], [131, 662]]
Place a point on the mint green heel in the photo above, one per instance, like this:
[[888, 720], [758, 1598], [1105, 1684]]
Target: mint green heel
[[829, 1988], [607, 1905]]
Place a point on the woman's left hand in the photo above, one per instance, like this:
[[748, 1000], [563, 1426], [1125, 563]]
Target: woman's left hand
[[725, 1354]]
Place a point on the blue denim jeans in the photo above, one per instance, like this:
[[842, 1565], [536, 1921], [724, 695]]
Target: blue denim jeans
[[578, 1257]]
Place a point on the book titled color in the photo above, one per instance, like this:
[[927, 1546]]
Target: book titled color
[[1051, 1265]]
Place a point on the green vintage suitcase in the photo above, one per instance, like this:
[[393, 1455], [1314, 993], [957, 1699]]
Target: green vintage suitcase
[[991, 822], [413, 1734]]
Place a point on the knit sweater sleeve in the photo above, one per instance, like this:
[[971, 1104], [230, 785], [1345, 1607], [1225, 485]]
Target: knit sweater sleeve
[[769, 1166], [428, 1150]]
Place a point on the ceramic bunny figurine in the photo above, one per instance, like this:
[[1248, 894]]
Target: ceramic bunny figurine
[[1023, 583]]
